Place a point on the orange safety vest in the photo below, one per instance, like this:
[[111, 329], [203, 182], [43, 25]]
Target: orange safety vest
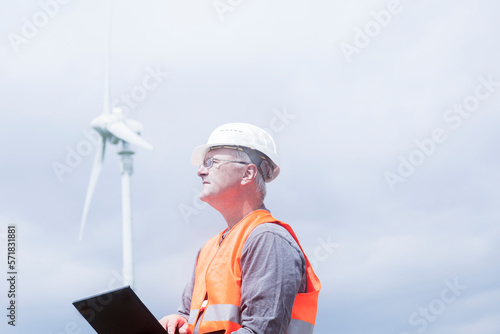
[[215, 304]]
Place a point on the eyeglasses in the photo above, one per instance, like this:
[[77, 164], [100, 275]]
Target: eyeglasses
[[210, 162]]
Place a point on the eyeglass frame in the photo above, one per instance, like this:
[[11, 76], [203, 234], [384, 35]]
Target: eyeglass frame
[[211, 159]]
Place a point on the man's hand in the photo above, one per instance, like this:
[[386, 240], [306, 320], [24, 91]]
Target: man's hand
[[173, 322]]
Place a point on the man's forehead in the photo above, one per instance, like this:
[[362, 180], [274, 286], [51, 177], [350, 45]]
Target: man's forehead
[[219, 152]]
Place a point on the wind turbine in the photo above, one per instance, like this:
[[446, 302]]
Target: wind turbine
[[114, 128]]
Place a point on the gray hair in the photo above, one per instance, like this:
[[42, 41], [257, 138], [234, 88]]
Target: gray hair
[[264, 169]]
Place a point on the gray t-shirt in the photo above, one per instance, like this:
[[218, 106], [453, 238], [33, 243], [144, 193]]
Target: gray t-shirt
[[273, 271]]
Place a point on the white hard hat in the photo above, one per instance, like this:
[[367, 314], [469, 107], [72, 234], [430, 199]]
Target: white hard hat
[[241, 136]]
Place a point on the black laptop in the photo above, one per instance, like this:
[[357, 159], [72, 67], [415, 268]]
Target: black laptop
[[118, 311]]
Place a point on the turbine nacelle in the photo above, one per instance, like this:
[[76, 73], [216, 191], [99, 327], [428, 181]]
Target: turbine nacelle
[[115, 127]]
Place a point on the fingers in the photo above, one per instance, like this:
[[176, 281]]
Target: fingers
[[184, 329], [172, 325], [173, 322], [171, 328], [163, 321]]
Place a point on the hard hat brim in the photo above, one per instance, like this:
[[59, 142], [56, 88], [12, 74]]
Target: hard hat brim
[[199, 153]]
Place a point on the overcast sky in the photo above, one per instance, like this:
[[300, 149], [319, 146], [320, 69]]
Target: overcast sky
[[386, 117]]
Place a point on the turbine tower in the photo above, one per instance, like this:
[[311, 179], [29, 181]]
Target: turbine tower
[[114, 128]]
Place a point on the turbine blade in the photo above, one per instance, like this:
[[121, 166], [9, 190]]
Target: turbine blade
[[107, 84], [122, 131], [94, 175], [107, 101]]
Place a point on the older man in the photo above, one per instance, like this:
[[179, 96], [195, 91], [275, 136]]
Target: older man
[[253, 277]]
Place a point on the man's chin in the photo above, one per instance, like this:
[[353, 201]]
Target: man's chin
[[204, 197]]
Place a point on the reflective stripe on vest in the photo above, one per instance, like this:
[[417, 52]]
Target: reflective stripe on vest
[[295, 327], [192, 316], [299, 327], [222, 312], [219, 312], [229, 312]]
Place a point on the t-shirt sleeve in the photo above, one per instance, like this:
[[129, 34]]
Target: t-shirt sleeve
[[272, 273]]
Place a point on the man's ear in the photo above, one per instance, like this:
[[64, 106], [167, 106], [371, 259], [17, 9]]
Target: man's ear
[[250, 174]]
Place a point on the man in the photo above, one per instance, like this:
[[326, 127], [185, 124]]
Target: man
[[253, 277]]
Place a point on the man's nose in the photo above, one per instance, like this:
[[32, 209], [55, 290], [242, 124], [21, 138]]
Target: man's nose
[[202, 170]]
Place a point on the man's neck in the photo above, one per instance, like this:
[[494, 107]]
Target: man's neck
[[234, 214]]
